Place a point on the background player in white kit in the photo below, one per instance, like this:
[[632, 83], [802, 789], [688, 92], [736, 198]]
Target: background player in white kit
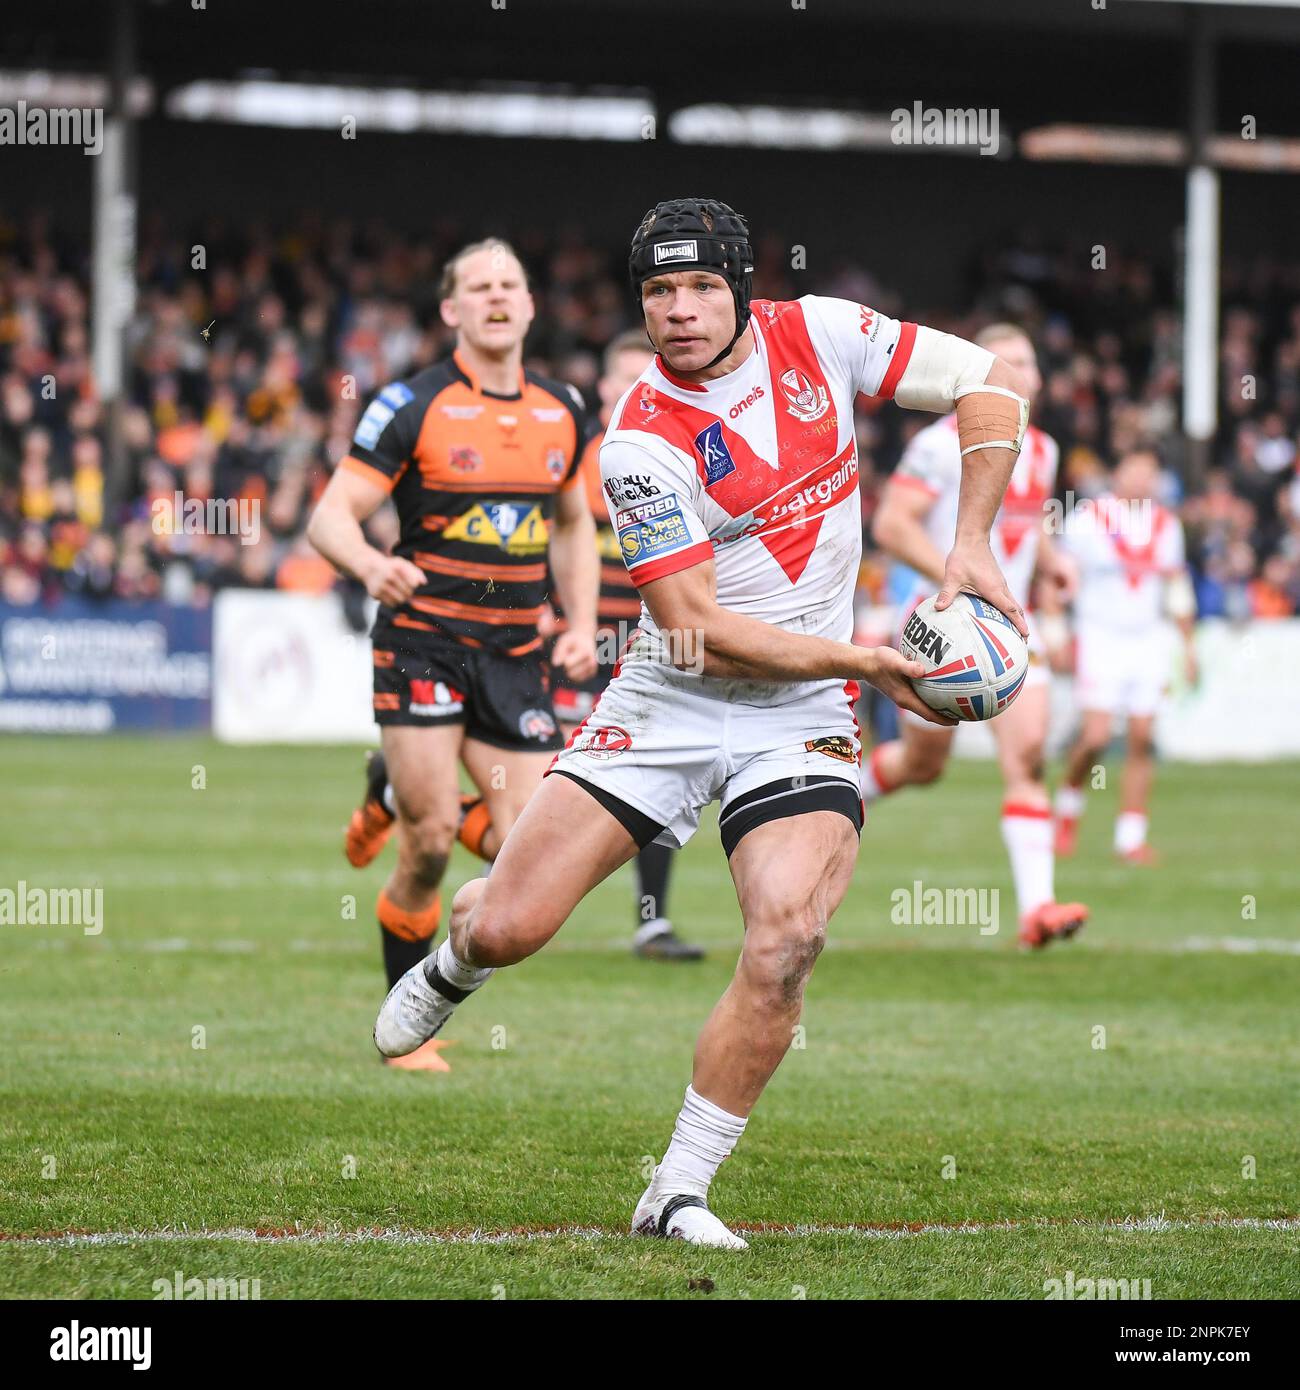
[[1131, 572], [731, 470], [916, 523]]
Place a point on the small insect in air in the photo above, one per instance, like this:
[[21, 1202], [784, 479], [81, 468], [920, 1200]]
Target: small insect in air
[[207, 332]]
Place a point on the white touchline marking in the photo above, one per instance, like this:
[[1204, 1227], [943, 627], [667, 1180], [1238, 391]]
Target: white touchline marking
[[1192, 945], [396, 1236]]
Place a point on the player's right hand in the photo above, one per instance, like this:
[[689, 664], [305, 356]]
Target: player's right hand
[[393, 580], [891, 672]]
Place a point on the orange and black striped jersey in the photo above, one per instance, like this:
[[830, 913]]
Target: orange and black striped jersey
[[473, 475], [619, 601]]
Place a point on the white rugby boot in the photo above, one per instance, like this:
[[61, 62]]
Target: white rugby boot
[[416, 1008], [681, 1217]]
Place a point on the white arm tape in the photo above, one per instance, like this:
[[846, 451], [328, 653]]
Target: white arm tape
[[940, 368]]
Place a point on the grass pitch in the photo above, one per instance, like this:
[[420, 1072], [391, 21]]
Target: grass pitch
[[962, 1120]]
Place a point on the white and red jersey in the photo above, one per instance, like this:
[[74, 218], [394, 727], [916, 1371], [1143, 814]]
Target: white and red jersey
[[757, 470], [932, 463], [1125, 551]]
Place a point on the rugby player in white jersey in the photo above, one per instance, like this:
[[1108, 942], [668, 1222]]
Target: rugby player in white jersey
[[731, 473], [916, 523], [1131, 573]]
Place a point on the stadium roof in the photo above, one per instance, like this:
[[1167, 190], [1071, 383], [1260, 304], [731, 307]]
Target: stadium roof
[[1064, 60]]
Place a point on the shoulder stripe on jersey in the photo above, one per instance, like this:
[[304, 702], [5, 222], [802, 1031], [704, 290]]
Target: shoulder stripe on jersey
[[686, 559], [370, 474], [902, 355]]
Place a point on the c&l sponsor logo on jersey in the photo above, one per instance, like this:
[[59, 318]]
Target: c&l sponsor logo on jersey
[[804, 399]]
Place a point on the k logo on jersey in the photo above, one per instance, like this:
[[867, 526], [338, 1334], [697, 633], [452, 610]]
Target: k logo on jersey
[[712, 448], [803, 399]]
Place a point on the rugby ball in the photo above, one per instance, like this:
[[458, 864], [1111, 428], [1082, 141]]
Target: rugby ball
[[975, 659]]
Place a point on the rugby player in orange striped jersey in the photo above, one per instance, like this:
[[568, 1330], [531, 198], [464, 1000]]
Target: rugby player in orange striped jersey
[[481, 459]]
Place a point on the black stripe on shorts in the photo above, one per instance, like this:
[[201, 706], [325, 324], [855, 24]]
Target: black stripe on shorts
[[789, 796], [637, 824]]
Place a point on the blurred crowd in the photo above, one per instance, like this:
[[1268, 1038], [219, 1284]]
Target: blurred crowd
[[247, 375]]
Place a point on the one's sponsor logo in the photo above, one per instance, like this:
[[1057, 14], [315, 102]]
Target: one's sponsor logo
[[870, 322], [835, 746], [605, 743], [536, 723], [556, 464], [740, 407], [461, 412], [925, 641], [712, 448], [547, 416], [435, 697], [669, 251], [629, 487], [380, 412], [805, 399], [464, 459]]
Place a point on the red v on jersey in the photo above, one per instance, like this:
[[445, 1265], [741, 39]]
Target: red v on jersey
[[782, 500], [1138, 558]]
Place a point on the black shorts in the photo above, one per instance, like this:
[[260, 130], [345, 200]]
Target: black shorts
[[501, 700], [574, 700]]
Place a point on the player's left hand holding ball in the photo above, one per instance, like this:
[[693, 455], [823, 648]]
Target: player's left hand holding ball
[[575, 653], [971, 566]]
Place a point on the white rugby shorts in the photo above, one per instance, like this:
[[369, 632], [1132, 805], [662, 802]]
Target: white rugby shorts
[[1121, 672], [665, 744]]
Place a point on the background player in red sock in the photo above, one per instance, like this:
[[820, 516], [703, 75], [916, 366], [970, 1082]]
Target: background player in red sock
[[1129, 553], [916, 524]]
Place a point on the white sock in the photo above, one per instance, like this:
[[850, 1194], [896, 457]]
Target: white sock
[[455, 971], [703, 1137], [1028, 835], [1069, 802], [1130, 831], [389, 800], [647, 931]]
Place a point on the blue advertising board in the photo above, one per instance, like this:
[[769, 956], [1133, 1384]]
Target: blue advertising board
[[81, 667]]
